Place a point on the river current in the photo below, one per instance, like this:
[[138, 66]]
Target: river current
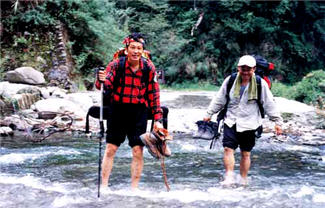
[[62, 172]]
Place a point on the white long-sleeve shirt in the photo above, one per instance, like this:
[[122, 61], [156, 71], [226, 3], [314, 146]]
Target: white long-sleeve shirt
[[245, 114]]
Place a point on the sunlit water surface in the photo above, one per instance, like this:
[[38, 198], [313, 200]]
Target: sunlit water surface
[[62, 172]]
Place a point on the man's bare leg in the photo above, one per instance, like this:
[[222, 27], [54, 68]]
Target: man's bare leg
[[107, 163], [229, 163], [136, 166], [245, 164]]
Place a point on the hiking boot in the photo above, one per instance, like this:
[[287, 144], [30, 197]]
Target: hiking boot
[[150, 141], [165, 149], [162, 145]]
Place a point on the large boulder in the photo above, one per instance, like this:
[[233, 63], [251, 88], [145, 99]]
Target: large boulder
[[81, 99], [9, 89], [27, 75], [59, 105]]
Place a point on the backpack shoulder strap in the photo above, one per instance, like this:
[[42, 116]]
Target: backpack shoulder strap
[[230, 83], [259, 95], [120, 74], [145, 76], [223, 112], [146, 71]]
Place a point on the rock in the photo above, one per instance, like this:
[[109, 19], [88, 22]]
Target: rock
[[29, 113], [9, 89], [25, 100], [16, 123], [26, 75], [60, 106], [46, 115], [81, 99], [54, 92], [2, 104], [292, 106], [40, 60], [30, 90], [5, 131]]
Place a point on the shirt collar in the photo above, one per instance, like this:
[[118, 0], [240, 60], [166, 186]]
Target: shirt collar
[[127, 64]]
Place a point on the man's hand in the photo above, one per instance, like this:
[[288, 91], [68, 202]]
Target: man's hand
[[101, 75], [158, 125], [207, 119], [278, 129]]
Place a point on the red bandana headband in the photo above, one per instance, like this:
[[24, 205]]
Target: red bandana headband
[[128, 40]]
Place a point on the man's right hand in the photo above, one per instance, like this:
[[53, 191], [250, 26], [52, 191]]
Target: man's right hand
[[101, 75]]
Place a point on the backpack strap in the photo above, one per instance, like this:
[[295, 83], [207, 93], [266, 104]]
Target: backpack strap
[[259, 95], [229, 85], [120, 74], [145, 76], [223, 112]]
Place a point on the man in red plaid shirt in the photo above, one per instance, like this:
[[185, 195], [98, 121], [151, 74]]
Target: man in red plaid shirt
[[130, 102]]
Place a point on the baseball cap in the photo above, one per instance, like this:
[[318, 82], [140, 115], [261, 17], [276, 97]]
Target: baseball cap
[[247, 60]]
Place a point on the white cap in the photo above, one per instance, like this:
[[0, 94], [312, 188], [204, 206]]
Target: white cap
[[247, 60]]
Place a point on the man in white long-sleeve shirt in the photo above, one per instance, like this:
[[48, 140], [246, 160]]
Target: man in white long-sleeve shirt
[[243, 115]]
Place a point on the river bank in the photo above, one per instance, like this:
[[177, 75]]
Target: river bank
[[302, 123]]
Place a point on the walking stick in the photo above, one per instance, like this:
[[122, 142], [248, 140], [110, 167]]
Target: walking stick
[[101, 135]]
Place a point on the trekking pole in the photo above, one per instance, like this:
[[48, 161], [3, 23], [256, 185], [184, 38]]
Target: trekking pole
[[101, 135]]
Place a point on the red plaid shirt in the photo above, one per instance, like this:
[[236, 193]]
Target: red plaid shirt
[[134, 90]]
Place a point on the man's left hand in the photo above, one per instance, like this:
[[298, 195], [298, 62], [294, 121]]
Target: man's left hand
[[158, 125]]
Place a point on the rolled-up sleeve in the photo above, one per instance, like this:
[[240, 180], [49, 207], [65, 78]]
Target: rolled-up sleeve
[[219, 100], [110, 72], [270, 105]]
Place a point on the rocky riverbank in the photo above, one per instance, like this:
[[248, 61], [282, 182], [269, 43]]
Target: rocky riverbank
[[52, 107]]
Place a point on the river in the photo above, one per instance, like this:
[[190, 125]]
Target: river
[[62, 172]]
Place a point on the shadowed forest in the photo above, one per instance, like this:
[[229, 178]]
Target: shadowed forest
[[195, 43]]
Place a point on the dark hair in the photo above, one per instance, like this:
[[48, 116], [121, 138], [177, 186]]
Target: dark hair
[[137, 37]]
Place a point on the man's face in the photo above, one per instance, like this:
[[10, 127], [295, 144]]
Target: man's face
[[246, 72], [135, 51]]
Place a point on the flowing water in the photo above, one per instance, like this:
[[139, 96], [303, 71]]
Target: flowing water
[[62, 172]]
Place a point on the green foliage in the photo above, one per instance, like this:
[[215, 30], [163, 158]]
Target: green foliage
[[92, 26], [288, 33], [282, 90], [308, 90]]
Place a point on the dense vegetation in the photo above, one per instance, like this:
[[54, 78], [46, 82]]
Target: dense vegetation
[[288, 33]]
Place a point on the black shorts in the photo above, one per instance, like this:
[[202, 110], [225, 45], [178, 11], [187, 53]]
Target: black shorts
[[127, 120], [232, 138]]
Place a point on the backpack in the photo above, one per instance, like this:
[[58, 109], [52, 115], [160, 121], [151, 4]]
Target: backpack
[[264, 69]]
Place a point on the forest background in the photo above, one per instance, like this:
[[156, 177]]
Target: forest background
[[196, 43]]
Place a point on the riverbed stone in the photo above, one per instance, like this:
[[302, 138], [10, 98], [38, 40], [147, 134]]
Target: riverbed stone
[[81, 99], [26, 75], [8, 89], [60, 106]]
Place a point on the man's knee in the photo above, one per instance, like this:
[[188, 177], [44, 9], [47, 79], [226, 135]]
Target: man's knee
[[111, 150], [245, 155], [137, 152], [228, 151]]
